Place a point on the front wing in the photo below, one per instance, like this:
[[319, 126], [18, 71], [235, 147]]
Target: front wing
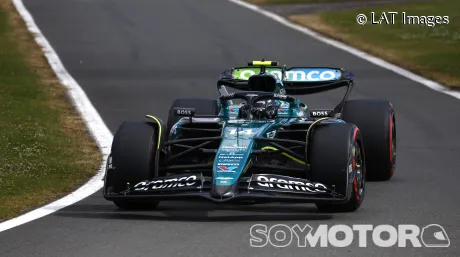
[[257, 188]]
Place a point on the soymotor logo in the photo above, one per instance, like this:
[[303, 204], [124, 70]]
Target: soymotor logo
[[408, 235]]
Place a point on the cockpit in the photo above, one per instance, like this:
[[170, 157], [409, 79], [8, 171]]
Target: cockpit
[[265, 109]]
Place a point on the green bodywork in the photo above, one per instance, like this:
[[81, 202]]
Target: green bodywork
[[234, 154], [235, 151]]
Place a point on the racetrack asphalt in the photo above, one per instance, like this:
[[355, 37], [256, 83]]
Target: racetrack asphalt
[[135, 57]]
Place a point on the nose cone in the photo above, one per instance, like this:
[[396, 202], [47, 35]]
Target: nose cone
[[223, 192], [233, 157]]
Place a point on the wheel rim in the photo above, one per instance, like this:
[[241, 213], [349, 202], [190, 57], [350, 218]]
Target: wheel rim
[[393, 144], [359, 170]]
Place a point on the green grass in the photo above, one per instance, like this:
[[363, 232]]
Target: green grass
[[303, 1], [431, 51], [45, 151]]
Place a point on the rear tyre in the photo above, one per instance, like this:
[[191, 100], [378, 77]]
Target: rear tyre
[[133, 159], [202, 107], [335, 148], [376, 121]]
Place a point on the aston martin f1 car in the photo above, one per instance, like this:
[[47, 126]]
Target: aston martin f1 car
[[256, 145]]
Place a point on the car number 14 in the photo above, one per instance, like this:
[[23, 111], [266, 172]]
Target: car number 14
[[244, 131]]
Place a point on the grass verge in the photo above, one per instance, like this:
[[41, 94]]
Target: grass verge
[[303, 1], [45, 150], [432, 52]]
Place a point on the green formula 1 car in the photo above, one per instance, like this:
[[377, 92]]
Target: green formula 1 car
[[257, 145]]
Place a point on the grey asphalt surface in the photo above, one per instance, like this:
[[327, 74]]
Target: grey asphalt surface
[[135, 57], [309, 8]]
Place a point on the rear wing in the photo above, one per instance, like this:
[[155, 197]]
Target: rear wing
[[294, 80]]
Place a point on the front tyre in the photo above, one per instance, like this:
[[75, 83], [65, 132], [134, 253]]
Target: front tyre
[[336, 158], [133, 159]]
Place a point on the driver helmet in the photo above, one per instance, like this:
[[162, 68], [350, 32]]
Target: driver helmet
[[267, 109]]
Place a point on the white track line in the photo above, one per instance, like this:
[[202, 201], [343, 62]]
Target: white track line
[[377, 61], [93, 120], [102, 134]]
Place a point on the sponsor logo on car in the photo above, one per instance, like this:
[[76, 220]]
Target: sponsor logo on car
[[228, 164], [294, 74], [271, 134], [184, 111], [231, 156], [320, 113], [296, 185], [284, 105], [309, 74], [233, 149], [226, 168], [166, 183], [283, 111], [173, 129], [280, 96]]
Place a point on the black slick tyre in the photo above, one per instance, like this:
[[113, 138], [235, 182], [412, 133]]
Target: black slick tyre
[[336, 160], [133, 159], [377, 123]]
